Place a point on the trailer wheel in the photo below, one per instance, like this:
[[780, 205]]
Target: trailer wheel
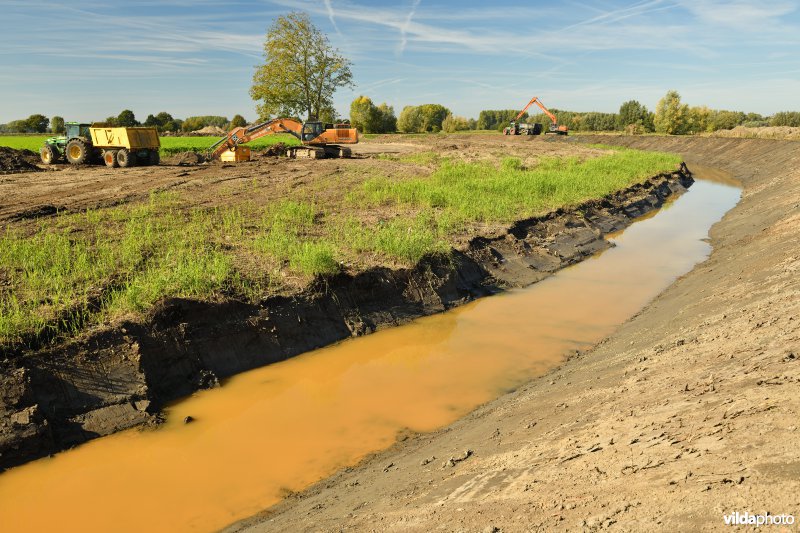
[[77, 152], [155, 158], [49, 154], [125, 158], [110, 158]]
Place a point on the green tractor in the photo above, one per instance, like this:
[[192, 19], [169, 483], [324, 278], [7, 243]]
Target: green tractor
[[73, 145], [115, 146]]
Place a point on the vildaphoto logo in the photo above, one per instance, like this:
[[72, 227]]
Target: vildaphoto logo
[[749, 519]]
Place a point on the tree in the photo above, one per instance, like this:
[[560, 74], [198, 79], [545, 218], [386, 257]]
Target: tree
[[632, 113], [301, 72], [721, 119], [452, 124], [785, 118], [364, 115], [197, 123], [410, 120], [238, 121], [37, 123], [151, 120], [388, 122], [369, 118], [57, 125], [490, 119], [126, 119], [432, 116], [671, 116], [698, 119]]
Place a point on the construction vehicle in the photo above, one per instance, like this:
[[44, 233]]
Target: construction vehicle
[[318, 140], [516, 128], [89, 143]]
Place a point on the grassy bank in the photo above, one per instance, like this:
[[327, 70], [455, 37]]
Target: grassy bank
[[169, 145], [63, 272]]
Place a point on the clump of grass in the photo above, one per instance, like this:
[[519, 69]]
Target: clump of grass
[[407, 239], [285, 237]]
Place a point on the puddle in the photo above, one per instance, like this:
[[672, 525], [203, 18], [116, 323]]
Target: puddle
[[282, 427]]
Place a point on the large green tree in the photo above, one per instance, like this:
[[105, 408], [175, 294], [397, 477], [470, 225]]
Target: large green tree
[[57, 124], [672, 117], [301, 70], [126, 118]]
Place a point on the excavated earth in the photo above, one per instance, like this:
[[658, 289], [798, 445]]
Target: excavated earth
[[120, 376], [689, 412]]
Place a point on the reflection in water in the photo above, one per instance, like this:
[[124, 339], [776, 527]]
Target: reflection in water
[[282, 427]]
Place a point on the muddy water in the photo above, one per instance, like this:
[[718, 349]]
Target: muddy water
[[282, 427]]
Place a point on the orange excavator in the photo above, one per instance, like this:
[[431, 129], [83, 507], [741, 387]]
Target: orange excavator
[[318, 140], [517, 128]]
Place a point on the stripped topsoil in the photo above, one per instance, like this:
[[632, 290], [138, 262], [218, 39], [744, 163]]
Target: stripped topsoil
[[12, 160], [121, 376], [687, 413]]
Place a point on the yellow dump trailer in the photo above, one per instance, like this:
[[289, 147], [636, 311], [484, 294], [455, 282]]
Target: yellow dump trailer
[[126, 147], [130, 138]]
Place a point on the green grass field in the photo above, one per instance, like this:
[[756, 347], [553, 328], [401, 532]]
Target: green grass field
[[74, 269], [169, 145]]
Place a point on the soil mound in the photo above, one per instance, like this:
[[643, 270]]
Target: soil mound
[[12, 160], [276, 150], [211, 131], [763, 132], [187, 159]]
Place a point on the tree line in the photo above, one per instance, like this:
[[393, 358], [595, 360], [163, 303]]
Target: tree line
[[164, 121]]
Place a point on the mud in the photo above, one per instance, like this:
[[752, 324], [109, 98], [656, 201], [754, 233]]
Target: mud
[[12, 160], [188, 158], [119, 377]]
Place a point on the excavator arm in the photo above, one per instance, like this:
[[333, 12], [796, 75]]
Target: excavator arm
[[245, 134], [535, 100]]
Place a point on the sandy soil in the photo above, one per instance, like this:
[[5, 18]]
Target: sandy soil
[[688, 412]]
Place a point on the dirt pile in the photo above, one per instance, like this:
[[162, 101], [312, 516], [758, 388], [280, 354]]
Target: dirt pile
[[209, 131], [12, 160], [276, 150], [764, 132], [185, 159]]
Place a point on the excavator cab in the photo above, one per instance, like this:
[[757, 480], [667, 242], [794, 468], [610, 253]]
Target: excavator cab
[[312, 130]]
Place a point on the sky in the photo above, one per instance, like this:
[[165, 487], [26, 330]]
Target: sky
[[91, 59]]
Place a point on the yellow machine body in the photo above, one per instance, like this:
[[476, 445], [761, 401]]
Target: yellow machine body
[[242, 153], [130, 138]]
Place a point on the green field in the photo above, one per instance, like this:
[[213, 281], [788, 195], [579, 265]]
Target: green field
[[74, 269], [169, 145]]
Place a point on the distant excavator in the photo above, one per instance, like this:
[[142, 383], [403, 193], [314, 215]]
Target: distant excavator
[[318, 140], [518, 128]]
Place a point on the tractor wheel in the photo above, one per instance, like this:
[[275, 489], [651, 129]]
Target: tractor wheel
[[77, 152], [155, 159], [110, 158], [49, 154], [125, 158]]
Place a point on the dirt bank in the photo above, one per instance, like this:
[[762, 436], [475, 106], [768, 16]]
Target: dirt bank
[[688, 412], [119, 377]]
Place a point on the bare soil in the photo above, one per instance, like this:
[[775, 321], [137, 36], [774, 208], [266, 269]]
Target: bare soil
[[688, 412]]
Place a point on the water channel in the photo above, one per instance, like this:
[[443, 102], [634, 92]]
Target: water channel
[[282, 427]]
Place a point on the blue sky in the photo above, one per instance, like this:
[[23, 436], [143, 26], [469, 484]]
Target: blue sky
[[91, 59]]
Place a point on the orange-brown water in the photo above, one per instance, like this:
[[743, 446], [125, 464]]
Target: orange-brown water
[[282, 427]]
